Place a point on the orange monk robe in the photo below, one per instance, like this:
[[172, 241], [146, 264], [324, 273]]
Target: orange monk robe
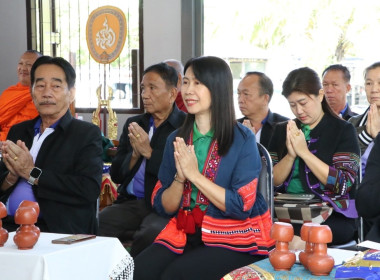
[[16, 105]]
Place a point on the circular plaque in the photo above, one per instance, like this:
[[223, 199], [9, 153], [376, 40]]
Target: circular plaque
[[105, 33]]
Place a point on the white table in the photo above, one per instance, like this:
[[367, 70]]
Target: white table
[[100, 258]]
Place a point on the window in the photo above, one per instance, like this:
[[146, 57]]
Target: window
[[58, 28], [276, 37]]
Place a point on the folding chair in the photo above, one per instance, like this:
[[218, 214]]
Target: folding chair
[[265, 186]]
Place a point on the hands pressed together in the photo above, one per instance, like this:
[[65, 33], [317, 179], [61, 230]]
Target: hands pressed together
[[185, 160], [139, 140], [17, 159], [373, 121], [295, 141]]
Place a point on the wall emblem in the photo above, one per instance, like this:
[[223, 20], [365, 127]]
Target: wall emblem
[[106, 32]]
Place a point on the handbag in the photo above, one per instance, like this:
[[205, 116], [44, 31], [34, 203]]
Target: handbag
[[108, 191], [299, 212]]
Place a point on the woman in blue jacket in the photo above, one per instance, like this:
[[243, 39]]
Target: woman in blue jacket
[[208, 186]]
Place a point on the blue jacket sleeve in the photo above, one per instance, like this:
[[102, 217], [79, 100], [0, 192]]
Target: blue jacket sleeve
[[241, 194], [165, 175]]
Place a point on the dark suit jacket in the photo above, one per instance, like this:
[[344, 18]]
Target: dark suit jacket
[[348, 114], [71, 162], [368, 194], [268, 127], [120, 172]]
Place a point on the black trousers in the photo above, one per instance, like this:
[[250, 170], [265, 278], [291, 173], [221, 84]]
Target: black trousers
[[131, 220], [117, 219], [150, 227], [196, 263], [343, 229]]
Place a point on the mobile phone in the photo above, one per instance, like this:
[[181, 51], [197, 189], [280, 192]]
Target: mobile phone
[[73, 238]]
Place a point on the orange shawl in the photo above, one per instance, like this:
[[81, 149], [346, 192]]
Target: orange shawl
[[16, 105]]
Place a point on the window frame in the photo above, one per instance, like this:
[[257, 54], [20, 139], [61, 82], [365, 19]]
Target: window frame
[[137, 61]]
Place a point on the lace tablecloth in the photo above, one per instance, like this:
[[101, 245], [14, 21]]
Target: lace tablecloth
[[100, 258]]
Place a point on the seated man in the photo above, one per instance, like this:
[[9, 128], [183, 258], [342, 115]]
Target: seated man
[[54, 159], [139, 154], [336, 84], [16, 104], [368, 194], [255, 91]]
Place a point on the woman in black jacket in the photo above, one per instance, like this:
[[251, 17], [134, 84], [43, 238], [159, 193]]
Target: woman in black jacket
[[316, 153]]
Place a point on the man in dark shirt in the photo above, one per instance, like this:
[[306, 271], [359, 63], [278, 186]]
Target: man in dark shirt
[[336, 84], [255, 91], [54, 159], [138, 159]]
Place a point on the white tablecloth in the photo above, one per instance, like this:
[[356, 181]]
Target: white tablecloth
[[100, 258]]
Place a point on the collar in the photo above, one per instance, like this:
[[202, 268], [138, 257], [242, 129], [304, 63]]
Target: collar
[[175, 118], [305, 127], [266, 118], [197, 135], [37, 125], [363, 119], [151, 124], [270, 118], [344, 110]]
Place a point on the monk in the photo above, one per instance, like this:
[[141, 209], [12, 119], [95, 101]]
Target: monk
[[16, 103]]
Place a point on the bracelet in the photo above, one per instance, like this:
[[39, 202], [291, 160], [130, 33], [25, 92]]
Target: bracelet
[[175, 179], [9, 183]]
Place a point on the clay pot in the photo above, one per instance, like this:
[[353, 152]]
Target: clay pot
[[28, 203], [25, 238], [281, 258], [36, 207], [3, 231], [320, 234], [282, 232], [3, 210], [319, 263], [25, 216], [35, 228], [26, 235], [3, 236], [303, 255]]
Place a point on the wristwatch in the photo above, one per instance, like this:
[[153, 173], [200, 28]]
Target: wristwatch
[[34, 174]]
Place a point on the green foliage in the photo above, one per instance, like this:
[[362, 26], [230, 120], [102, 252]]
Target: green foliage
[[317, 32]]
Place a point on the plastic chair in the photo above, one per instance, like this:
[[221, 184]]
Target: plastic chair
[[265, 186]]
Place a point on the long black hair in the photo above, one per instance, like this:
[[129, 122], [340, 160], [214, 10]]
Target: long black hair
[[216, 75]]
